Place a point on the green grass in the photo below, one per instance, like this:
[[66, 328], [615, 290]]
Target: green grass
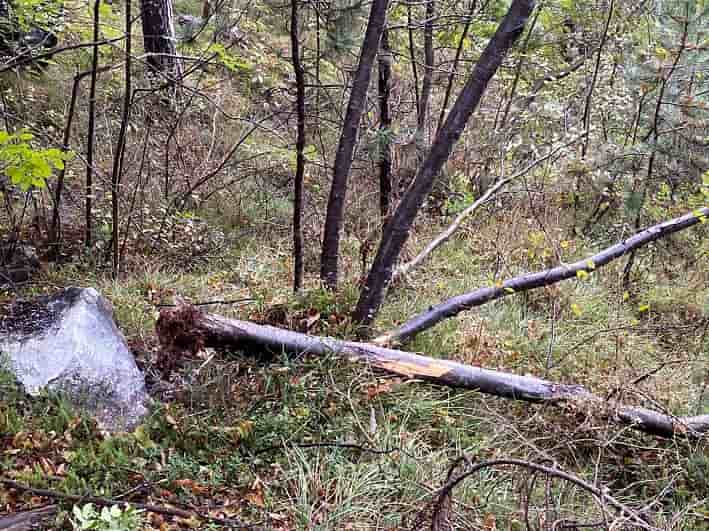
[[234, 428]]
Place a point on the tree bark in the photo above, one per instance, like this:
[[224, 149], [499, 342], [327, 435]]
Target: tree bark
[[159, 37], [518, 73], [654, 132], [55, 230], [461, 303], [7, 26], [385, 60], [589, 96], [397, 230], [186, 330], [412, 55], [329, 268], [300, 151], [28, 520]]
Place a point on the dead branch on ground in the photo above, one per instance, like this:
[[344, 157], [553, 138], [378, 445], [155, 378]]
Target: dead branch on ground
[[229, 523], [605, 501]]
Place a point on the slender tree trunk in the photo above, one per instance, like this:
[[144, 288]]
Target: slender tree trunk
[[121, 144], [89, 192], [589, 95], [6, 26], [654, 132], [55, 231], [427, 81], [385, 60], [518, 72], [159, 37], [329, 268], [300, 149], [454, 68], [412, 56], [397, 230]]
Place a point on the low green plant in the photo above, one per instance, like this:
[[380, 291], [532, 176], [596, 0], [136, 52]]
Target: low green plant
[[112, 518], [26, 165]]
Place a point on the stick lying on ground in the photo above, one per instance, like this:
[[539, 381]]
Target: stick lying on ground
[[27, 520], [460, 303], [185, 329], [108, 502]]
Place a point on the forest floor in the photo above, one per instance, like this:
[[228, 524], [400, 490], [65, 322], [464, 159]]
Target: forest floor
[[318, 443], [305, 442]]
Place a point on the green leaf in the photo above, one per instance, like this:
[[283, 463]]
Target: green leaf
[[28, 166]]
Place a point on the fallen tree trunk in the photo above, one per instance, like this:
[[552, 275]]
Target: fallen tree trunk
[[454, 306], [186, 330]]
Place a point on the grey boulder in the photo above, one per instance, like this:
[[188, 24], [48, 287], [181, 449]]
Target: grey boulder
[[69, 343]]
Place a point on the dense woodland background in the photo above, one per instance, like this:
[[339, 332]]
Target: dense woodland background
[[337, 167]]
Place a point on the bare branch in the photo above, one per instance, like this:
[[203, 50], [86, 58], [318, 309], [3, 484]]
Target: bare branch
[[446, 234]]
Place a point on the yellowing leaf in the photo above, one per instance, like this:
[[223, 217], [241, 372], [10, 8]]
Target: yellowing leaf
[[143, 439], [578, 311]]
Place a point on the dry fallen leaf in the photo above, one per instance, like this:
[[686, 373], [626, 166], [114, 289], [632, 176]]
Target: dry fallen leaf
[[192, 485], [255, 497]]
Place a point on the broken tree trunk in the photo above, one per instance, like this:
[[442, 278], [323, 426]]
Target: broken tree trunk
[[186, 330], [455, 305]]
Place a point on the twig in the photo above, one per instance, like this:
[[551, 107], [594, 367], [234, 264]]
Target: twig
[[23, 60], [347, 446], [445, 491], [158, 509], [455, 225]]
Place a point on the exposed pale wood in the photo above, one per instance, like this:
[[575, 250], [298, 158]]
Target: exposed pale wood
[[186, 329]]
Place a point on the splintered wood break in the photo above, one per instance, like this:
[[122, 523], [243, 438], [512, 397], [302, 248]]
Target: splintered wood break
[[434, 370]]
